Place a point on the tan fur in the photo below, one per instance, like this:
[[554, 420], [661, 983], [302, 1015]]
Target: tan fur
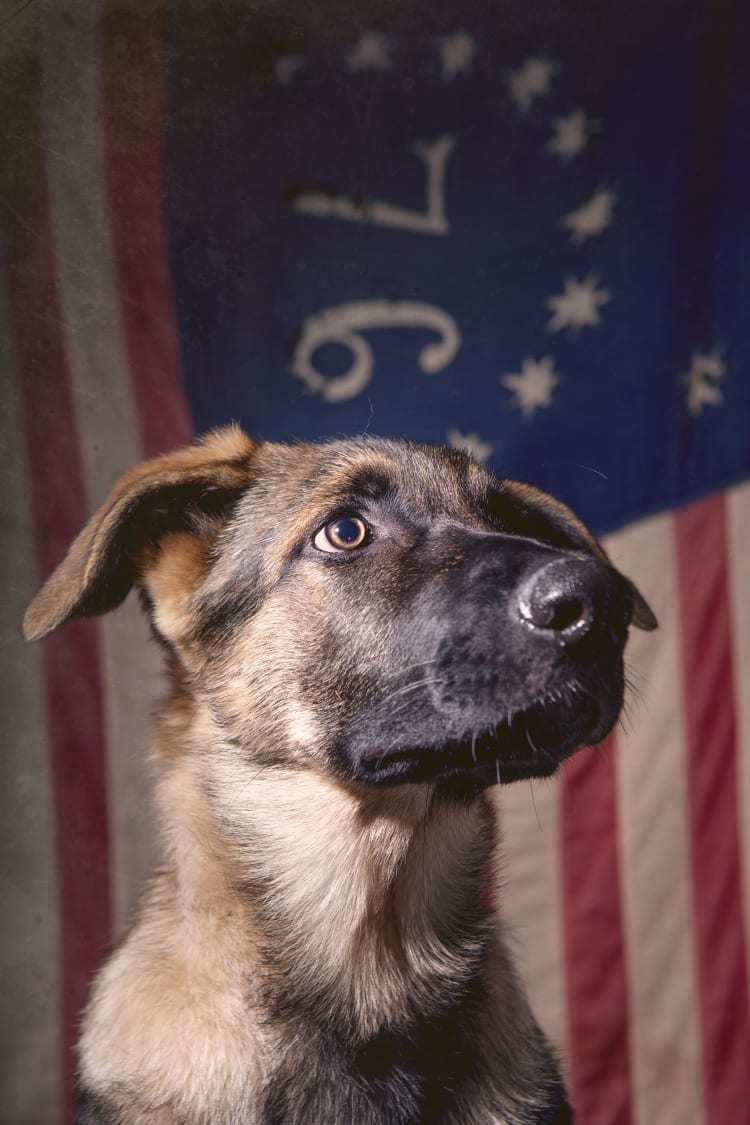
[[169, 1015], [344, 864], [171, 574]]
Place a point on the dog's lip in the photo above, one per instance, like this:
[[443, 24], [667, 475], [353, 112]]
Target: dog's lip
[[531, 742]]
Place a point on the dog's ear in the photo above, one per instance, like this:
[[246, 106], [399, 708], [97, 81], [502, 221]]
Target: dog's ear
[[186, 491], [562, 517], [643, 615]]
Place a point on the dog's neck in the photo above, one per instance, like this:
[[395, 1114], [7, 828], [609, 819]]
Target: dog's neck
[[371, 901], [312, 952]]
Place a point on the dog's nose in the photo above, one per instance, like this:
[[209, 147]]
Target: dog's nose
[[564, 598]]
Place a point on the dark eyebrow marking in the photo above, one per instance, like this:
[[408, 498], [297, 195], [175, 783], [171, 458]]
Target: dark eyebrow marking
[[367, 484], [232, 604]]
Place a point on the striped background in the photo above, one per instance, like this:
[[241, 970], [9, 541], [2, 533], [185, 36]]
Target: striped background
[[628, 878]]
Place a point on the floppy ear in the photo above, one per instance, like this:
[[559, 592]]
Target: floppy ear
[[182, 491], [563, 517]]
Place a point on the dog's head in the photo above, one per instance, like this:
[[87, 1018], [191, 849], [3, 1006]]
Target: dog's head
[[384, 611]]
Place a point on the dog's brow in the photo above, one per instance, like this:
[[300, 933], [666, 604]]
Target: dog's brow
[[366, 482]]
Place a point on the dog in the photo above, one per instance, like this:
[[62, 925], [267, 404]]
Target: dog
[[361, 638]]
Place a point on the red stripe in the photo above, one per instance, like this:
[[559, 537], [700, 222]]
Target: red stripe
[[599, 1073], [70, 658], [133, 106], [701, 538]]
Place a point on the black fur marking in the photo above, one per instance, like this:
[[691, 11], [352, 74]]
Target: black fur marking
[[558, 1112], [397, 1078], [218, 618], [367, 484], [93, 1111], [393, 1078]]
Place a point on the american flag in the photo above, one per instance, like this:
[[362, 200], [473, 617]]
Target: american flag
[[521, 229]]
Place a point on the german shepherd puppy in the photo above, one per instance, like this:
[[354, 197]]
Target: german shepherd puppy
[[361, 637]]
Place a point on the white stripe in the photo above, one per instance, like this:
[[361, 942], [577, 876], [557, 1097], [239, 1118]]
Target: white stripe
[[29, 937], [738, 535], [96, 357], [654, 845], [530, 900]]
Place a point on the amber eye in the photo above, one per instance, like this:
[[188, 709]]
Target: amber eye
[[345, 533]]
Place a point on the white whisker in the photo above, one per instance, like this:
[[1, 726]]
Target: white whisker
[[410, 687]]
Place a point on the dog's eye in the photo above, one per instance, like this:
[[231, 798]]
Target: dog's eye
[[345, 533]]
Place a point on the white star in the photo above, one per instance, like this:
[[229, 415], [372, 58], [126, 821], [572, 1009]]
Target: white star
[[457, 53], [532, 386], [530, 81], [472, 444], [371, 52], [706, 370], [578, 306], [572, 134], [286, 67], [592, 217]]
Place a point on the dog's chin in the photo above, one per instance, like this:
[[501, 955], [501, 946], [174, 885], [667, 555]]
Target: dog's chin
[[530, 743]]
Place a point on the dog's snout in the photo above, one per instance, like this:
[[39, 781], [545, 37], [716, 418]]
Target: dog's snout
[[564, 599]]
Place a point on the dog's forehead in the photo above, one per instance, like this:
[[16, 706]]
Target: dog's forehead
[[433, 479]]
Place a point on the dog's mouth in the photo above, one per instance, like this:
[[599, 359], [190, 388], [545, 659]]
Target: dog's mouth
[[531, 742]]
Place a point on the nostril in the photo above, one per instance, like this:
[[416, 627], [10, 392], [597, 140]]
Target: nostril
[[558, 613], [566, 612]]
